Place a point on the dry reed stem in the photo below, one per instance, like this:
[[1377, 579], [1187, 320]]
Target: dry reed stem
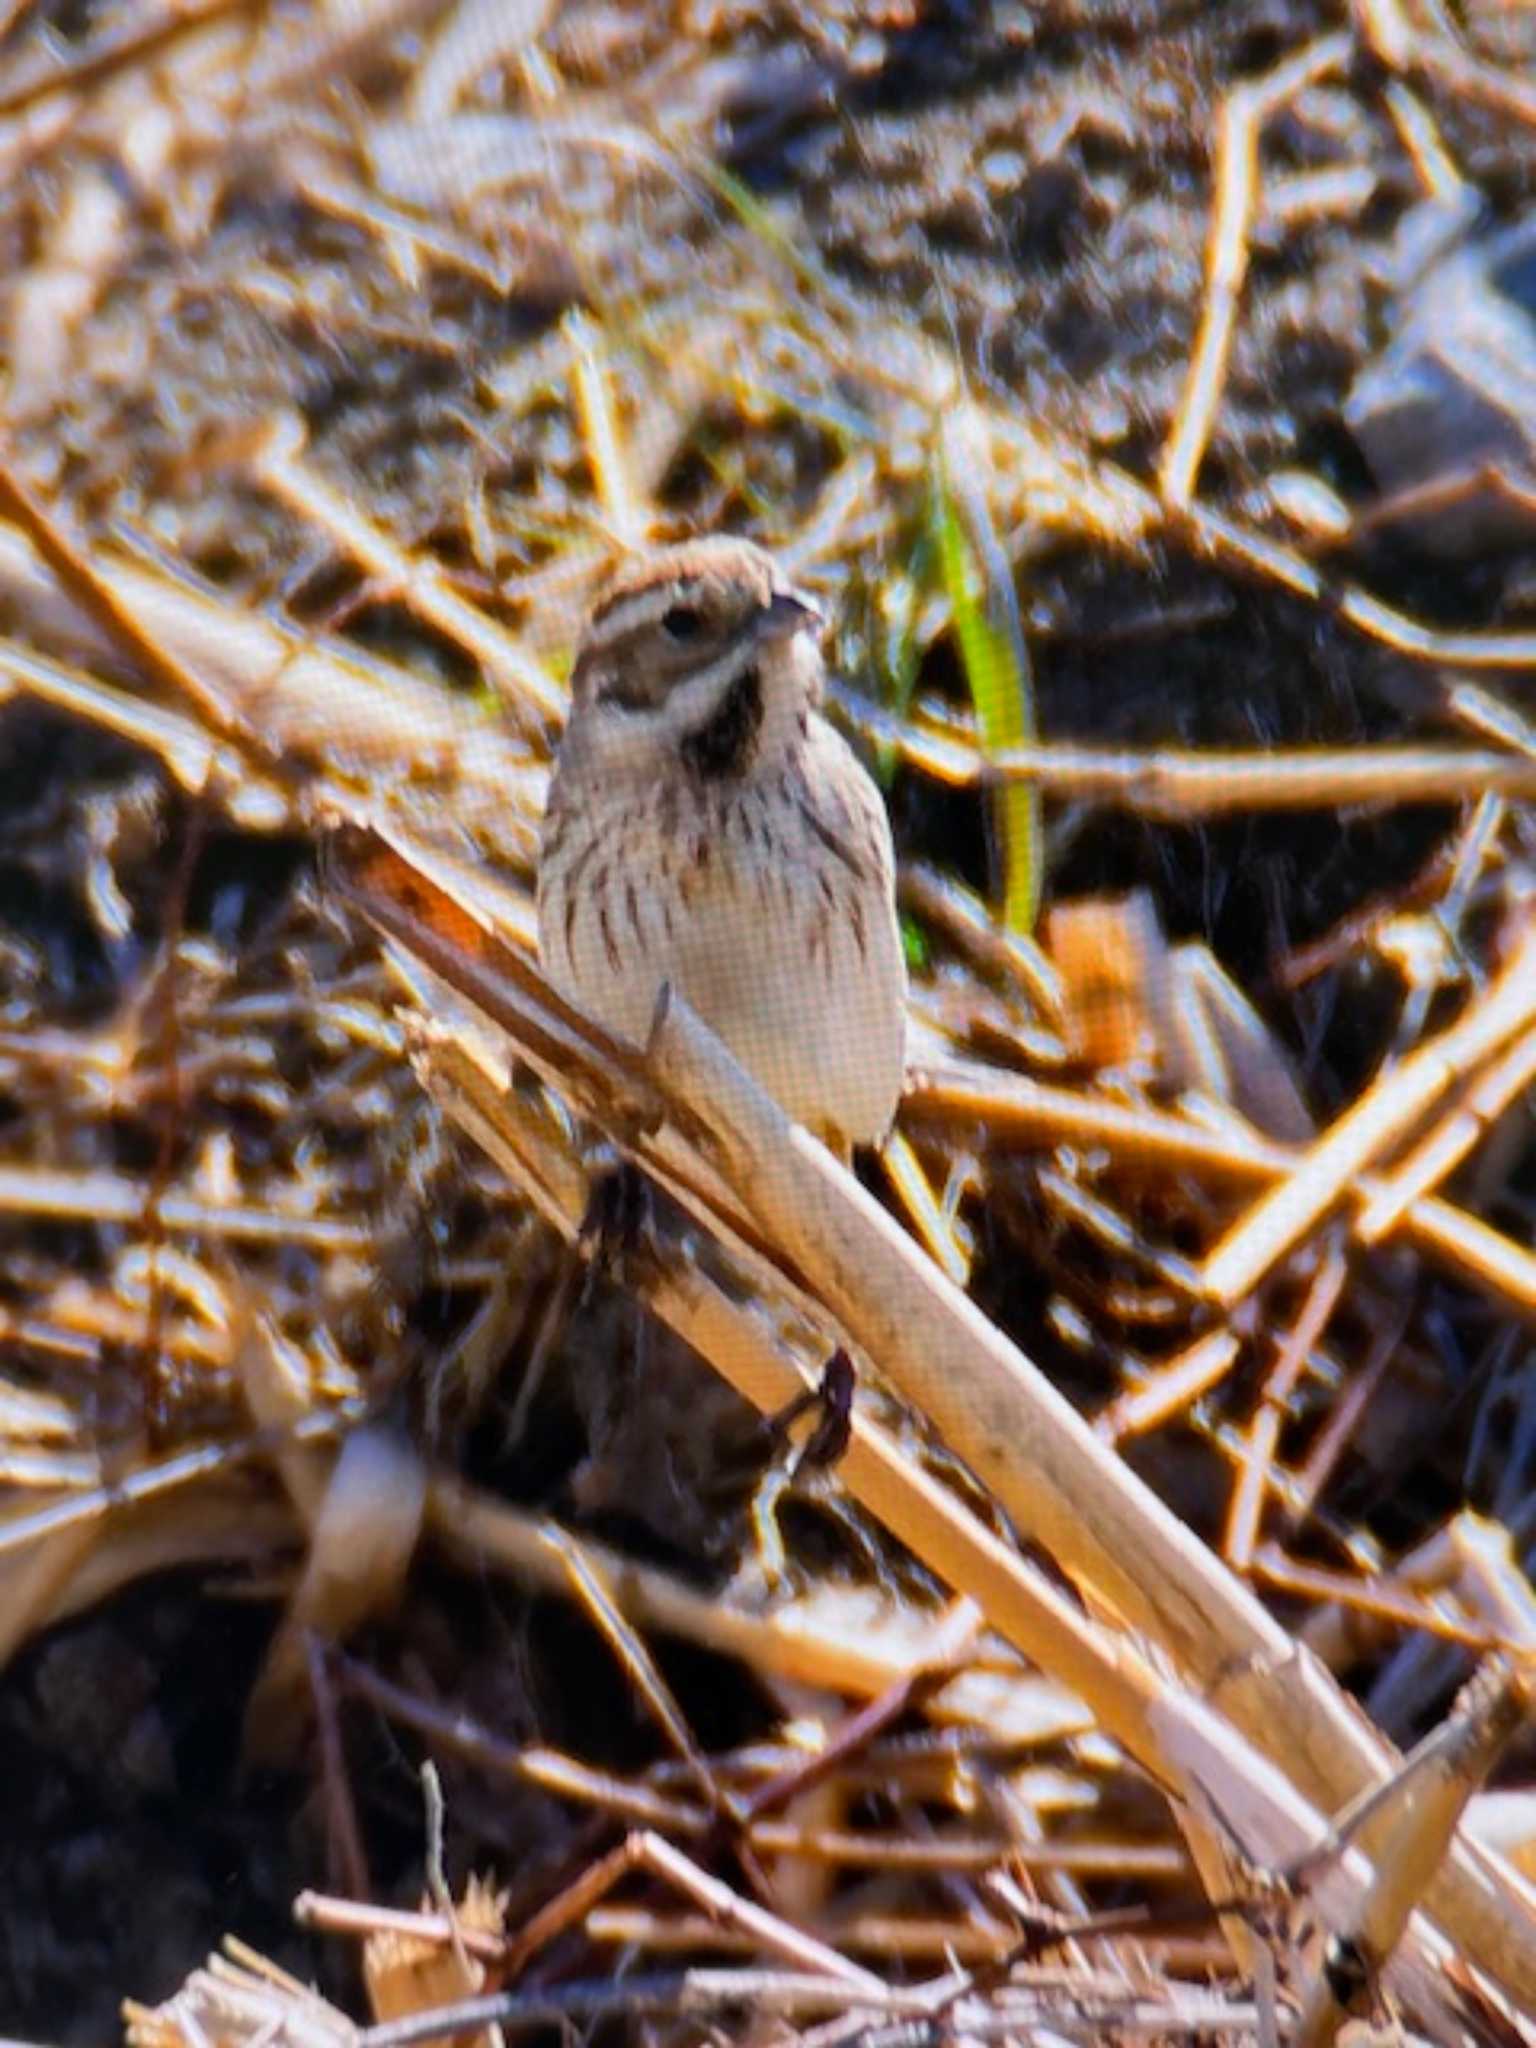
[[806, 1642], [165, 1475], [1423, 1808], [1380, 1119], [1175, 786], [1396, 1603], [360, 1543], [1229, 541], [1447, 1144], [271, 694], [1423, 143], [934, 1230], [929, 1940], [95, 1195], [272, 460], [1383, 27], [723, 1907], [1160, 1395], [585, 1582], [629, 519], [1242, 115], [362, 1919], [963, 1947], [470, 1082], [1403, 47], [1052, 1477], [563, 1777], [1100, 1524], [1149, 1141], [80, 578], [1262, 1438]]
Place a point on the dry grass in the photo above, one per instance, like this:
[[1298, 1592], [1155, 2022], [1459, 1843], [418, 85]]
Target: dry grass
[[1190, 1302]]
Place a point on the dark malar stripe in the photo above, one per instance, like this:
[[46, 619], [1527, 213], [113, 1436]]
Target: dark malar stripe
[[721, 747]]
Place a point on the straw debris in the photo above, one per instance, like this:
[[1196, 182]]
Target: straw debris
[[1153, 1663]]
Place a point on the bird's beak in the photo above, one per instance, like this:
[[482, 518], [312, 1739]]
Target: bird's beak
[[789, 611]]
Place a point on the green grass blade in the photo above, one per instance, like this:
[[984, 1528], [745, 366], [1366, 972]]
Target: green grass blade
[[978, 581]]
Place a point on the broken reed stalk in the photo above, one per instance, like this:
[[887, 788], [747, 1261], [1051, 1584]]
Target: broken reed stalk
[[471, 1084], [1056, 1481], [1125, 1549], [1384, 1115], [272, 459], [1223, 1790], [1016, 1110], [1242, 115], [1426, 1803]]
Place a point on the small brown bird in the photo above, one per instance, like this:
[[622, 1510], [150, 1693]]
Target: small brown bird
[[707, 828]]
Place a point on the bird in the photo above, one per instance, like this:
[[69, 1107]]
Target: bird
[[708, 831]]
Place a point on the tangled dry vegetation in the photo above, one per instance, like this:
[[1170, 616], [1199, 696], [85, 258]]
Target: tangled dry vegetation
[[360, 1549]]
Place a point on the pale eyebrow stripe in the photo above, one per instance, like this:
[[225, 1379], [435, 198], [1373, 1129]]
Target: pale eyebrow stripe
[[697, 681], [627, 615]]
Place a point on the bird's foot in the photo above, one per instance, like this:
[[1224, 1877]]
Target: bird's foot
[[832, 1398], [621, 1230]]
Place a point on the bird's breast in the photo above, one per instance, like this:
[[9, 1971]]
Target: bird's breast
[[759, 906]]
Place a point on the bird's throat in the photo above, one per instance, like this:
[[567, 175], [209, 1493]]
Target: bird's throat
[[722, 746]]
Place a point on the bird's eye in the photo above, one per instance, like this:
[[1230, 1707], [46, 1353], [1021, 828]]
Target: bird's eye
[[681, 621]]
